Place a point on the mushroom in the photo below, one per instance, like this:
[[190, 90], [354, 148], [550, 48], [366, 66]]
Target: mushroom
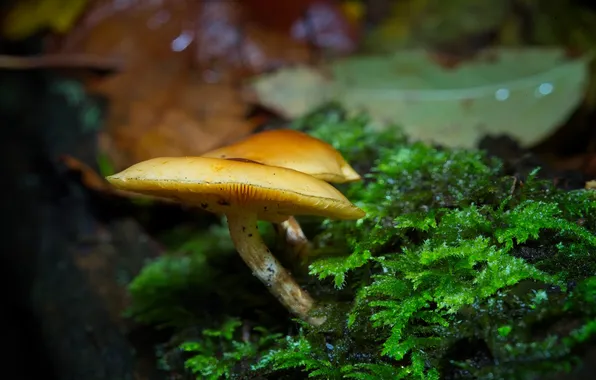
[[296, 150], [288, 148], [244, 192]]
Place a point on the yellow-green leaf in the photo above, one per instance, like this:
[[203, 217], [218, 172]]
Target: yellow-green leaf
[[29, 16]]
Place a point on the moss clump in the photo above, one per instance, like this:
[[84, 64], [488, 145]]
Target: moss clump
[[216, 353], [456, 267], [164, 290]]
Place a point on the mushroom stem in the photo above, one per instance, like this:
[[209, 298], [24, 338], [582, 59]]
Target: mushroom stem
[[293, 236], [254, 252]]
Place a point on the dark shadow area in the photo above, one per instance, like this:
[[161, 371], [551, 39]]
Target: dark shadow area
[[62, 303]]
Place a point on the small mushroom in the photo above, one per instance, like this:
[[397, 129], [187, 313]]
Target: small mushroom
[[288, 148], [244, 192]]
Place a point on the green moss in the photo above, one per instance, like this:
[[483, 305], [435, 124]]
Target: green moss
[[456, 266], [106, 168], [162, 291], [198, 272], [219, 351]]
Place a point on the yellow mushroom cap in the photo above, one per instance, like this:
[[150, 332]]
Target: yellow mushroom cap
[[291, 149], [229, 186]]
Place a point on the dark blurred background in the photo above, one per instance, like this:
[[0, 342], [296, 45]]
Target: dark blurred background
[[65, 239]]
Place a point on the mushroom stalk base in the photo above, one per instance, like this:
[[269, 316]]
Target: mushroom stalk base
[[254, 252]]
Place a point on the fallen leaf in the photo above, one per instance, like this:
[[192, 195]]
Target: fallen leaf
[[185, 65], [93, 181], [89, 177], [525, 93], [27, 17], [309, 89], [278, 15], [172, 112], [322, 23]]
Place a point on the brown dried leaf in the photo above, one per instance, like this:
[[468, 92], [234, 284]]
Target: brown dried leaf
[[93, 181], [172, 112], [185, 62], [89, 177]]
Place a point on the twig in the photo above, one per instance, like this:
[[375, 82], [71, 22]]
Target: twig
[[57, 61]]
